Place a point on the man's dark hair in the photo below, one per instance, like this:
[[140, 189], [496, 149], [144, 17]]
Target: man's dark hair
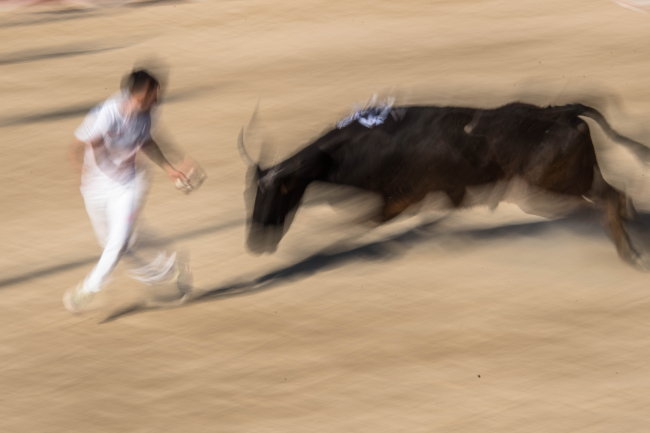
[[140, 80]]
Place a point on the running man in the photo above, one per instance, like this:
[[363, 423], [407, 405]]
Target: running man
[[113, 189]]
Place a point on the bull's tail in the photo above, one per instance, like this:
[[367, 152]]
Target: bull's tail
[[640, 150]]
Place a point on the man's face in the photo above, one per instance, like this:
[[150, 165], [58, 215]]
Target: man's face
[[143, 101]]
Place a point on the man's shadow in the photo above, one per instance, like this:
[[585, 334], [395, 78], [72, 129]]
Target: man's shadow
[[586, 223]]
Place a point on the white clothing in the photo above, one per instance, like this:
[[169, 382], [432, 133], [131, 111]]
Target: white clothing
[[122, 137], [372, 114], [113, 210], [114, 193]]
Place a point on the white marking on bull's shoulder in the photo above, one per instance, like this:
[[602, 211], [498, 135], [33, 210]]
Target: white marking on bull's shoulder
[[471, 125], [370, 114]]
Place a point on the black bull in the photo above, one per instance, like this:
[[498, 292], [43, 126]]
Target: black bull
[[422, 149]]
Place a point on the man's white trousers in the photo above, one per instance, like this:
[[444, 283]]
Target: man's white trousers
[[113, 209]]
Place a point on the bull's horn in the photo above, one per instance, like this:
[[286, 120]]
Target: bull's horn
[[242, 150]]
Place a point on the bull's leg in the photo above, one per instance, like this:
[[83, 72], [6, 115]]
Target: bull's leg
[[630, 210], [600, 189], [615, 213], [393, 207], [456, 195], [616, 210]]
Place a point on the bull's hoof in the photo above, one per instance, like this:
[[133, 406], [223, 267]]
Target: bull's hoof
[[640, 262]]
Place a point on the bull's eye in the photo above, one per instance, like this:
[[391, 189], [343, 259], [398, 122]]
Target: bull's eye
[[283, 189]]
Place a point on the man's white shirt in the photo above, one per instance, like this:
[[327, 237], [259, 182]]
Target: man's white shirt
[[122, 137]]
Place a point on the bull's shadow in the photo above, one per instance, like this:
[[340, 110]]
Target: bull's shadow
[[585, 222]]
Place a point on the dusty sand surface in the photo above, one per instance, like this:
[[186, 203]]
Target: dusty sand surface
[[482, 322]]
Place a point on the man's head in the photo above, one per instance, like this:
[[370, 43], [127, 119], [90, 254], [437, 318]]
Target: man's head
[[143, 90]]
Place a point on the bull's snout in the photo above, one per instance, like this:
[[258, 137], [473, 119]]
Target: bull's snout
[[263, 239]]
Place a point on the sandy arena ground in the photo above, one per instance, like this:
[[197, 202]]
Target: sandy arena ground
[[483, 322]]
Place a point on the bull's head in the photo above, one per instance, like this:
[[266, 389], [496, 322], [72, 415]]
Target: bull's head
[[275, 194]]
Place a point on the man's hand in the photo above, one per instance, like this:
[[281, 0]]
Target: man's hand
[[179, 179], [151, 149], [188, 183]]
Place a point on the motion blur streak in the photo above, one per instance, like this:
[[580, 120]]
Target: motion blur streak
[[348, 326]]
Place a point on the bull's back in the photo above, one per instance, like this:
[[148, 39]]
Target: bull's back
[[426, 148]]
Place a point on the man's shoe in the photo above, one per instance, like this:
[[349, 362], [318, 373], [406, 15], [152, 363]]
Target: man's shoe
[[183, 279], [76, 299]]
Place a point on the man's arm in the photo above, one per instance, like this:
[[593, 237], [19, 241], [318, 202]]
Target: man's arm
[[77, 150], [151, 149]]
